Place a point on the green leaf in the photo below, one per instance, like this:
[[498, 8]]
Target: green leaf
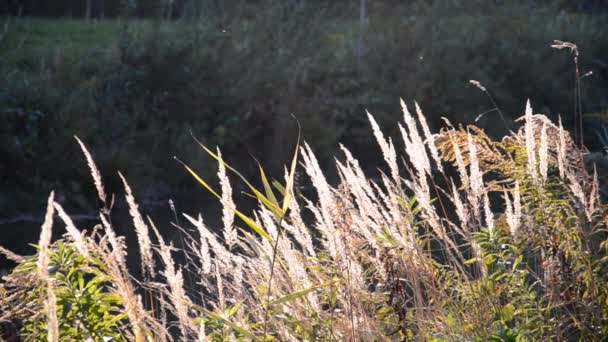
[[290, 179], [257, 193], [277, 185], [382, 312], [256, 228], [274, 204], [233, 325], [489, 259], [471, 261], [259, 230], [517, 262], [232, 310], [508, 312]]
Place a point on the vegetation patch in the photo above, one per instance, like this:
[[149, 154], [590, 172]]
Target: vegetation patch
[[467, 238]]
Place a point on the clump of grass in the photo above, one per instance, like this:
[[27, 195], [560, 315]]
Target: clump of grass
[[469, 238]]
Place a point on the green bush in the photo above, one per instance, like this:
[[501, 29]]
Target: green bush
[[85, 306]]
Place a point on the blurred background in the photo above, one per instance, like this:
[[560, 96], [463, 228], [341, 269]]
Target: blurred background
[[133, 78]]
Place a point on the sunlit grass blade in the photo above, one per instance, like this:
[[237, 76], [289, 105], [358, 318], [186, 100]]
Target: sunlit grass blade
[[280, 188], [292, 173], [267, 188], [267, 202], [270, 195], [249, 222]]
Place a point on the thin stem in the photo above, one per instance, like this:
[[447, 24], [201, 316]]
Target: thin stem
[[268, 292]]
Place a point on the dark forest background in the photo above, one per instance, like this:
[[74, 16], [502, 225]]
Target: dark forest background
[[133, 78], [183, 8]]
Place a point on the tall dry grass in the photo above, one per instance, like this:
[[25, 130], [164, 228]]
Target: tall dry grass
[[466, 238]]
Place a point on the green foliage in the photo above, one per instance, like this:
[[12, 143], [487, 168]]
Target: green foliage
[[544, 282], [378, 257], [85, 306], [540, 279]]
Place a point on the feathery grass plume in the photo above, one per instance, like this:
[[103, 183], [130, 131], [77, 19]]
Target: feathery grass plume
[[11, 255], [388, 208], [475, 195], [202, 336], [237, 276], [429, 213], [594, 195], [296, 226], [355, 195], [530, 143], [220, 252], [298, 229], [94, 172], [478, 85], [353, 178], [488, 212], [51, 310], [577, 190], [73, 232], [118, 248], [323, 212], [543, 153], [513, 209], [123, 287], [414, 146], [203, 252], [430, 138], [517, 213], [285, 249], [475, 178], [417, 153], [461, 210], [221, 300], [180, 301], [561, 150], [45, 238], [462, 169], [510, 217], [230, 235], [141, 229], [387, 148], [50, 303]]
